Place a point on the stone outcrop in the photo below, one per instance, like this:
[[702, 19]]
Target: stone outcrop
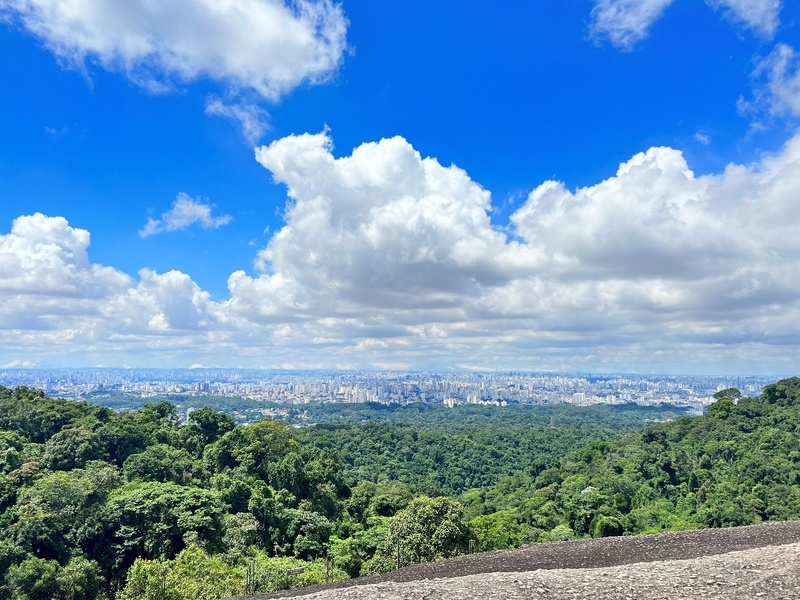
[[760, 561]]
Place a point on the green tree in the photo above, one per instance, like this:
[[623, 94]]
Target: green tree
[[205, 427], [192, 575], [51, 516], [499, 530], [428, 529], [11, 445], [154, 520], [732, 393], [72, 448], [80, 579], [785, 392], [34, 579], [159, 462]]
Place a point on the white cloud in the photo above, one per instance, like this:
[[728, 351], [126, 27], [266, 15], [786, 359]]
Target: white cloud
[[44, 255], [252, 119], [385, 245], [267, 46], [19, 364], [407, 232], [185, 212], [777, 92], [762, 16], [386, 257], [702, 138], [625, 22], [55, 302], [161, 303]]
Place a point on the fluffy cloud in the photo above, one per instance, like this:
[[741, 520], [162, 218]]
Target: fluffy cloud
[[54, 301], [185, 212], [268, 46], [161, 303], [703, 254], [626, 22], [44, 255], [386, 246], [408, 232], [387, 257]]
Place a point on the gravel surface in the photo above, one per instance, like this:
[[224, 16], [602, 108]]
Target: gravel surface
[[760, 561]]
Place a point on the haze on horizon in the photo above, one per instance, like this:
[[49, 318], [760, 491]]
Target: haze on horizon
[[596, 186]]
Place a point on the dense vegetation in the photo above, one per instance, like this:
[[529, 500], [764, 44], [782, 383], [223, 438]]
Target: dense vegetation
[[738, 465], [100, 504], [443, 451]]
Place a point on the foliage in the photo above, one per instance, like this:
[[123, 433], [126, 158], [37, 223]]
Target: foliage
[[737, 466], [156, 520], [501, 529], [96, 504], [427, 529], [192, 575], [33, 579], [468, 447]]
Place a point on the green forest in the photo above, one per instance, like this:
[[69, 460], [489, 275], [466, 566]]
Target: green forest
[[100, 504]]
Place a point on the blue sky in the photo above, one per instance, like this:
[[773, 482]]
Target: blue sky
[[601, 185]]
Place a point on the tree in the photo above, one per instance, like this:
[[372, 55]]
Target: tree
[[154, 520], [241, 533], [192, 575], [123, 436], [785, 392], [307, 532], [159, 462], [29, 413], [732, 393], [499, 530], [205, 427], [80, 579], [265, 442], [34, 579], [72, 448], [11, 446], [52, 515], [428, 529]]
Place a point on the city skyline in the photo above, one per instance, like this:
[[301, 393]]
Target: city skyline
[[598, 186], [250, 394]]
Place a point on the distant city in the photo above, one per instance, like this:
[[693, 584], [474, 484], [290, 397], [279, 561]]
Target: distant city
[[385, 387]]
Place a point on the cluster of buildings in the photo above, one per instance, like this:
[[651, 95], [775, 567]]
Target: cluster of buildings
[[386, 387]]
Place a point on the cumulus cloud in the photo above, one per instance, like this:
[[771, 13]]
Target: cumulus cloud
[[657, 240], [267, 46], [408, 231], [44, 255], [625, 22], [386, 245], [185, 212], [762, 16], [54, 301], [389, 257]]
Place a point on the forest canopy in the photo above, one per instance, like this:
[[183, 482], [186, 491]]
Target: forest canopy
[[102, 504]]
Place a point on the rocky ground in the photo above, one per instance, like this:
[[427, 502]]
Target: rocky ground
[[761, 561]]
